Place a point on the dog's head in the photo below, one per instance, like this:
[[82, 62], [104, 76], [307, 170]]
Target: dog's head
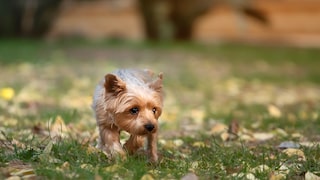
[[135, 107]]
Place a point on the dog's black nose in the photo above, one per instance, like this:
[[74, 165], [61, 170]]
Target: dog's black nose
[[149, 127]]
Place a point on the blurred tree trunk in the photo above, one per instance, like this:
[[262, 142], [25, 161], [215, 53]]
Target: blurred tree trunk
[[149, 11], [27, 18], [180, 15]]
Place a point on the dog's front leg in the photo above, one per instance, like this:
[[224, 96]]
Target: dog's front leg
[[110, 142], [134, 143], [152, 147]]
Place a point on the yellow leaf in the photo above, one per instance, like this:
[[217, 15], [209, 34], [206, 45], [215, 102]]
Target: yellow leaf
[[7, 93], [87, 166], [199, 144], [23, 172], [198, 115], [295, 152], [147, 177], [113, 168], [274, 111], [218, 129], [171, 144], [225, 136]]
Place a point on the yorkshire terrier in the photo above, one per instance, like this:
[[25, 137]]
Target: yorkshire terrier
[[129, 100]]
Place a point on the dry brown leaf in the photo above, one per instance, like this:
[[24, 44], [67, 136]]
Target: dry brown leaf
[[65, 165], [277, 176], [218, 128], [234, 127], [59, 128], [22, 172], [295, 152], [225, 136]]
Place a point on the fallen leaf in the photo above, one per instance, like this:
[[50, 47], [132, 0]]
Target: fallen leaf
[[58, 128], [22, 172], [46, 157], [48, 148], [277, 176], [171, 144], [87, 167], [190, 176], [233, 127], [218, 128], [65, 165], [310, 176], [280, 132], [297, 136], [147, 177], [113, 168], [92, 150], [248, 176], [260, 169], [194, 165], [14, 178], [199, 144], [7, 93], [178, 142], [310, 144], [295, 152], [274, 111], [262, 136], [197, 115], [225, 136]]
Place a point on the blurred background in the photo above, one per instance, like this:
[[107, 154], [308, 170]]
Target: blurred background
[[255, 62], [288, 22]]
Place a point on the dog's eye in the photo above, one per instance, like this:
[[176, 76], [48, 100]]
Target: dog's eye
[[134, 110], [154, 110]]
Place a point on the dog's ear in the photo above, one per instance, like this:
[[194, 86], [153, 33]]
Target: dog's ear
[[113, 84], [157, 84]]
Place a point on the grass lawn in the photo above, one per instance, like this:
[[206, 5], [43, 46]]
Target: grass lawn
[[231, 111]]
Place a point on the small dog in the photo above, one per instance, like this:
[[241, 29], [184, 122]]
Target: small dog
[[129, 100]]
